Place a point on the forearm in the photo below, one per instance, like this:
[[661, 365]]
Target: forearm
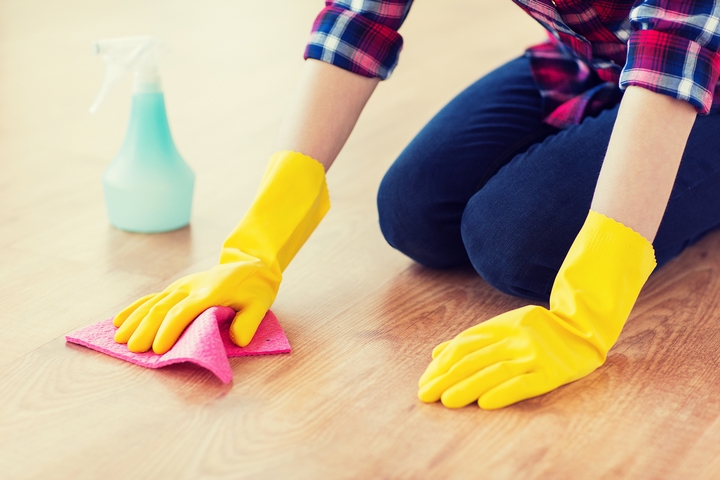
[[326, 105], [642, 159]]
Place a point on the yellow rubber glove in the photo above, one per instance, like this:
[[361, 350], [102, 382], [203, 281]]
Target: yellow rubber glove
[[291, 201], [530, 351]]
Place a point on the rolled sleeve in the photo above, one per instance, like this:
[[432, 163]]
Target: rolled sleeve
[[673, 50], [359, 36]]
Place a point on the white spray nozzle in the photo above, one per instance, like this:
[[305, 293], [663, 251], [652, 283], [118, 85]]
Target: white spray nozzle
[[123, 55]]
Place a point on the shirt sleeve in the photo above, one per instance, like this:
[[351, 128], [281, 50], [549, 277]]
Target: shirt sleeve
[[673, 50], [359, 35]]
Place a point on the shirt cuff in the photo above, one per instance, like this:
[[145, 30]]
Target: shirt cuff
[[353, 42], [671, 65]]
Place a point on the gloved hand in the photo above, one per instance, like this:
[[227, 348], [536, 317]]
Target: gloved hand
[[530, 351], [291, 201]]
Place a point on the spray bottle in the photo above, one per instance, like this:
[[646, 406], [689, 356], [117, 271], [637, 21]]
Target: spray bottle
[[148, 186]]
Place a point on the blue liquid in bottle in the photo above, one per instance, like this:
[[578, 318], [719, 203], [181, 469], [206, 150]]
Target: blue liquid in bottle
[[148, 186]]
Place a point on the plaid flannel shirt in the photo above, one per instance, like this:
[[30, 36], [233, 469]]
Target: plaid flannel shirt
[[596, 49]]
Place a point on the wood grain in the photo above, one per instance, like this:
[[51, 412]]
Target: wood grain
[[362, 319]]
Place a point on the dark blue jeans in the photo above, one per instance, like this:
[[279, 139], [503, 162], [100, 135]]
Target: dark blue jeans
[[487, 182]]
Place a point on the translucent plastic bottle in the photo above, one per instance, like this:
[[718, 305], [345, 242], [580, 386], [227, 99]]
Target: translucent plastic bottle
[[148, 186]]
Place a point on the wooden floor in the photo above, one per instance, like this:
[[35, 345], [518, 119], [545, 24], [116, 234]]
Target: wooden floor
[[361, 318]]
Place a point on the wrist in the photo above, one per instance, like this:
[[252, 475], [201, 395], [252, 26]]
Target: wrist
[[291, 201], [601, 279]]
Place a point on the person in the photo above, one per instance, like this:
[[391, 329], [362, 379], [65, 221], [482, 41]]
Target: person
[[557, 176]]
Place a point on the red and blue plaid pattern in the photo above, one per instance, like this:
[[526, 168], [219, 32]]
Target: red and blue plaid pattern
[[359, 35], [596, 48]]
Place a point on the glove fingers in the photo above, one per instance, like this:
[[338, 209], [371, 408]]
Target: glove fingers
[[438, 350], [472, 388], [514, 390], [246, 322], [453, 353], [176, 321], [466, 367], [125, 312], [144, 335], [130, 324]]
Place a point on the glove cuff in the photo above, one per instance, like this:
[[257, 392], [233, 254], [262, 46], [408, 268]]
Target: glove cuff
[[290, 203], [600, 280]]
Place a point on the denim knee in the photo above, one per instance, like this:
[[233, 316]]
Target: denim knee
[[508, 252], [417, 224]]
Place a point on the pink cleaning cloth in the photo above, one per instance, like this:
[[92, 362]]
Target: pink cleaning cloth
[[206, 342]]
